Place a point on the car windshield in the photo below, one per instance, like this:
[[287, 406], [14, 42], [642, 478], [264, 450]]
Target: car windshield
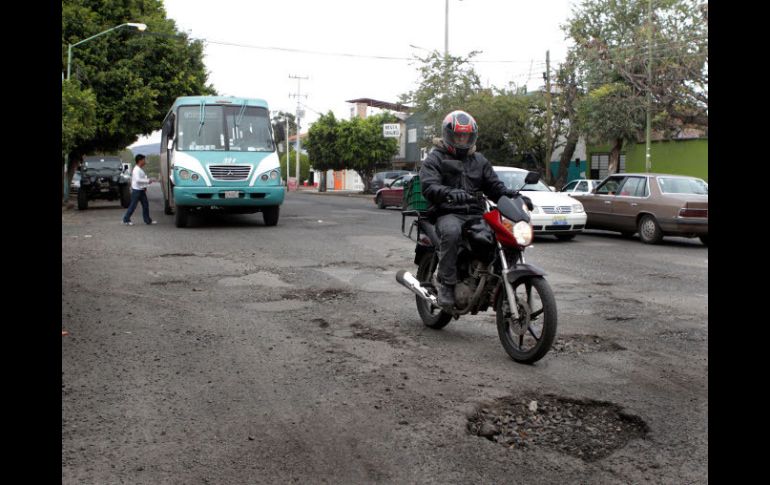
[[683, 185], [515, 181], [99, 163]]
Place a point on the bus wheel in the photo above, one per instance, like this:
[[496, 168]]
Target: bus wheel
[[270, 215], [181, 218]]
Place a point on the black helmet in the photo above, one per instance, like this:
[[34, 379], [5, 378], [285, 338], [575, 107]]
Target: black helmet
[[456, 125]]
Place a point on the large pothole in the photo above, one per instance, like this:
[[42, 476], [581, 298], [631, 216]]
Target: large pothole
[[583, 344], [586, 429]]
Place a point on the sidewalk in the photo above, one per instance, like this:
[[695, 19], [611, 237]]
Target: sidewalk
[[347, 193]]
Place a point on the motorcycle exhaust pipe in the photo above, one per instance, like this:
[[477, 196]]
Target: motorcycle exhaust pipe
[[405, 278]]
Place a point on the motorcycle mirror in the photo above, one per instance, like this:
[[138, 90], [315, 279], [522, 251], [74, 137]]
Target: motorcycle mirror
[[532, 178]]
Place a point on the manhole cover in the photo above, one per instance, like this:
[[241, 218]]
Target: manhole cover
[[586, 429]]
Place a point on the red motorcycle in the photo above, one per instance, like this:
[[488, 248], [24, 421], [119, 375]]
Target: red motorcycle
[[491, 273]]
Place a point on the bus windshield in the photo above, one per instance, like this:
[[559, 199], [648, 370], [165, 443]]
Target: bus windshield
[[220, 128]]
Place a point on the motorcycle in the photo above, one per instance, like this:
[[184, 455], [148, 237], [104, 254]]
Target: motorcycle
[[492, 273]]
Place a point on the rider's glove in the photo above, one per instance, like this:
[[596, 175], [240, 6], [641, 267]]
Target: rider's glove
[[459, 196]]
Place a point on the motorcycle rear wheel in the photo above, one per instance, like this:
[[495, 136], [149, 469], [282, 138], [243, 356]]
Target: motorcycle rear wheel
[[432, 317], [540, 308]]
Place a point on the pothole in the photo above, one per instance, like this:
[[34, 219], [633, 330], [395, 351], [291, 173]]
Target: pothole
[[586, 429], [690, 335], [260, 278], [620, 318], [581, 344], [176, 255], [326, 294], [368, 333], [277, 305], [167, 282]]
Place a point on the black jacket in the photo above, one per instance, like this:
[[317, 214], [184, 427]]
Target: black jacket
[[441, 172]]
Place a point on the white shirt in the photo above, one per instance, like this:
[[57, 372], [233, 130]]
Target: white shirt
[[139, 180]]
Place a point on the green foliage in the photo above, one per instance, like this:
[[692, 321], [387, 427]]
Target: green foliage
[[612, 112], [446, 85], [612, 48], [134, 76], [355, 144], [322, 145], [304, 165], [279, 129], [78, 108], [361, 145]]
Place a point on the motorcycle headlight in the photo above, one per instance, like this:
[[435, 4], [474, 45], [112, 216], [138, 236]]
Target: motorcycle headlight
[[577, 208], [522, 232]]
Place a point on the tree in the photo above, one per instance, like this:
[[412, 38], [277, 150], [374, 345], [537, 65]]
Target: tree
[[78, 108], [447, 82], [134, 76], [361, 146], [613, 48], [322, 146], [566, 119]]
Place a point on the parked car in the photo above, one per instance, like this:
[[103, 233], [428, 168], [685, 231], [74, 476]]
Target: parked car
[[381, 178], [554, 213], [654, 205], [75, 184], [393, 193], [102, 177], [580, 186]]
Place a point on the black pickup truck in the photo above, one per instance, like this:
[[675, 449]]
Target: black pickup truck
[[103, 177]]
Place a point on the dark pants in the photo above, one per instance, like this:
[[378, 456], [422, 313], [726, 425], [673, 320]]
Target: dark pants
[[136, 197], [449, 230]]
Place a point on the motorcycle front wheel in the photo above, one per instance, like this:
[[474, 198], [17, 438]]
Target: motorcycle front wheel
[[530, 336], [432, 317]]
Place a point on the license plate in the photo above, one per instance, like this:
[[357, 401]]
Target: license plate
[[560, 220], [231, 194]]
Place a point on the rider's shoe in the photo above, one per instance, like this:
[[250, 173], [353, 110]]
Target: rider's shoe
[[446, 297]]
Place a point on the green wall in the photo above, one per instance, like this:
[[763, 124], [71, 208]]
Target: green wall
[[680, 157]]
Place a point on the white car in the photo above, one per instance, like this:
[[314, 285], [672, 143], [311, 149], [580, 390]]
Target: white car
[[581, 186], [554, 213]]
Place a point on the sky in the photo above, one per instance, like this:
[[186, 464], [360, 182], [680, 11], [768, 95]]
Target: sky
[[350, 49]]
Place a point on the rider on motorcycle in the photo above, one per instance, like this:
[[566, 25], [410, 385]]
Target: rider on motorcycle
[[449, 175]]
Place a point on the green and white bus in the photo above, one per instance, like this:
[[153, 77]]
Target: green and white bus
[[218, 153]]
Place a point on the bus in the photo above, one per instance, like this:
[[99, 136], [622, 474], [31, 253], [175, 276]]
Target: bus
[[217, 153]]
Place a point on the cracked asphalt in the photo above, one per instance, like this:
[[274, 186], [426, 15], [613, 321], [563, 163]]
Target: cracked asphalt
[[231, 352]]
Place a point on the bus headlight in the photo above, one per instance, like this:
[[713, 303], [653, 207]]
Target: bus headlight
[[184, 174]]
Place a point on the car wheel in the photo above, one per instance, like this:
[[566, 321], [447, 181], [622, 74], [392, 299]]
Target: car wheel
[[82, 200], [379, 202], [565, 237], [649, 230]]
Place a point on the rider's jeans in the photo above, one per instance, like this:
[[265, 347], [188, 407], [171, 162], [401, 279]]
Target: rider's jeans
[[449, 230]]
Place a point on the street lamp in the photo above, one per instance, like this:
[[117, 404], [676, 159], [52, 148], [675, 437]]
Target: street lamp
[[140, 27]]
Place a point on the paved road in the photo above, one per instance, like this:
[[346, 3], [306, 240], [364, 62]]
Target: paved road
[[231, 352]]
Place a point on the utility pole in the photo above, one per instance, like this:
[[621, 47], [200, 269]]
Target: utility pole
[[446, 28], [287, 151], [300, 114], [547, 77], [647, 161]]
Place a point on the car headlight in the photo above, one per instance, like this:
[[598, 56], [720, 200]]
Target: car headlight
[[522, 232], [577, 208]]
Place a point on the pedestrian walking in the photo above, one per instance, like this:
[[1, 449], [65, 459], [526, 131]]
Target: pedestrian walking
[[139, 183]]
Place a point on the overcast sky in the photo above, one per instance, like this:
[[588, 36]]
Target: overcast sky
[[362, 48]]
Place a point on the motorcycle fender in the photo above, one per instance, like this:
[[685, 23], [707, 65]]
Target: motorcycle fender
[[522, 270], [419, 250]]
